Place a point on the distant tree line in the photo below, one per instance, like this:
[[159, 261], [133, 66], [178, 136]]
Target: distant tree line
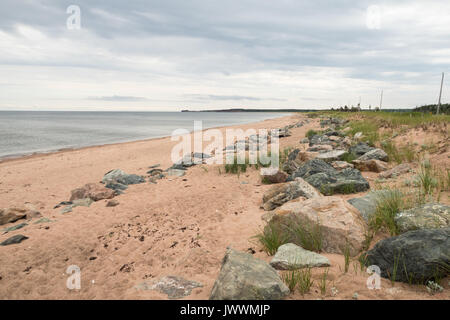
[[444, 109]]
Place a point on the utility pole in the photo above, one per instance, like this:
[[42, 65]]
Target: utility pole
[[440, 94], [381, 100]]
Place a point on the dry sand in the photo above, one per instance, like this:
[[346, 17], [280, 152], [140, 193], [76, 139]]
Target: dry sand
[[179, 226]]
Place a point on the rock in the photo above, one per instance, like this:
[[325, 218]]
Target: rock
[[376, 154], [360, 149], [319, 139], [117, 187], [43, 220], [304, 140], [427, 216], [155, 178], [396, 171], [10, 215], [355, 296], [119, 176], [112, 203], [273, 175], [175, 287], [358, 135], [154, 172], [282, 193], [367, 205], [328, 180], [333, 155], [284, 132], [154, 166], [93, 191], [320, 147], [243, 277], [340, 223], [290, 257], [176, 172], [295, 159], [62, 203], [419, 255], [341, 165], [16, 227], [370, 165], [18, 238], [77, 203]]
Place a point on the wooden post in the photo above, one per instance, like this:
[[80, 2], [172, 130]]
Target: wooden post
[[381, 100], [440, 94]]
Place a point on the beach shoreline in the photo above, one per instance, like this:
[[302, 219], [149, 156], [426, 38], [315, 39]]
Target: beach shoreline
[[13, 157]]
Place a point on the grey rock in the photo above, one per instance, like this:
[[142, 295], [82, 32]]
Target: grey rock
[[304, 140], [331, 156], [427, 216], [290, 257], [117, 187], [243, 277], [328, 180], [18, 238], [419, 255], [119, 176], [320, 147], [367, 204], [319, 139], [282, 193], [175, 287], [43, 220], [16, 227], [376, 154], [176, 172], [77, 203], [360, 149]]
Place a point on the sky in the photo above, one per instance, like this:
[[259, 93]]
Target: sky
[[207, 54]]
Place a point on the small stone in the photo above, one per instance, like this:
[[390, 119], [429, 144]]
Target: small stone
[[334, 291], [355, 296], [112, 203], [14, 240]]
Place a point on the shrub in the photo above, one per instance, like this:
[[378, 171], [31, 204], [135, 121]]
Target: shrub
[[271, 238]]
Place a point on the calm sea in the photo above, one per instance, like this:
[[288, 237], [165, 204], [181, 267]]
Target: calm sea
[[27, 132]]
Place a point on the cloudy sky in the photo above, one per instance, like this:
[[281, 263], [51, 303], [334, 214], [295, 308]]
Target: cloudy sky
[[175, 54]]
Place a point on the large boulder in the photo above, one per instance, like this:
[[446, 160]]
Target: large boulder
[[340, 224], [119, 176], [396, 171], [418, 255], [428, 216], [243, 277], [92, 190], [290, 257], [370, 165], [375, 154], [10, 215], [360, 149], [328, 180], [282, 193]]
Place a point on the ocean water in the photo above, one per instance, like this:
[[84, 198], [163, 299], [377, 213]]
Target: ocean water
[[27, 132]]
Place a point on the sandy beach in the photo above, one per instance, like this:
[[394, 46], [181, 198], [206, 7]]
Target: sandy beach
[[179, 226]]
